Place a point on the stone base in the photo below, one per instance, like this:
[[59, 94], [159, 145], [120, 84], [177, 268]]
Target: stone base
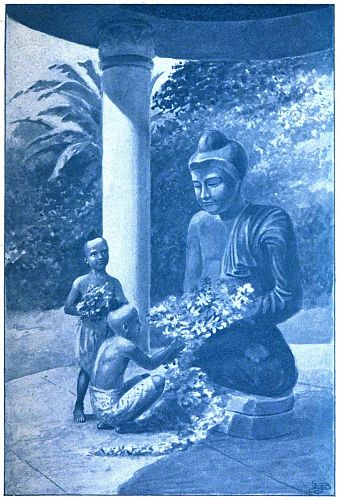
[[257, 417], [248, 404], [251, 427]]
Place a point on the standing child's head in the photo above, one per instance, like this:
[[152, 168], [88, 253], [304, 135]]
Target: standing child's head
[[96, 253], [125, 322]]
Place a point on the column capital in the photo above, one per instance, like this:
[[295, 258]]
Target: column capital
[[126, 43]]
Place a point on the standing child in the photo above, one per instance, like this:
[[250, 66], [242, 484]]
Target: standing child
[[92, 296]]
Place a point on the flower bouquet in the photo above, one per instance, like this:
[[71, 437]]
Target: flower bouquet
[[97, 302]]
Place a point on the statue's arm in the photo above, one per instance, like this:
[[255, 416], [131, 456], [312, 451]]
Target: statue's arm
[[193, 269], [278, 242]]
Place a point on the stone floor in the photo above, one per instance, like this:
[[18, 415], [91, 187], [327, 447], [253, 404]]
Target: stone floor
[[46, 453]]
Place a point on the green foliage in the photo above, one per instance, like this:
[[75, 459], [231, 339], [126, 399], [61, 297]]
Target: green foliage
[[53, 186], [76, 124], [53, 189], [282, 111], [44, 229]]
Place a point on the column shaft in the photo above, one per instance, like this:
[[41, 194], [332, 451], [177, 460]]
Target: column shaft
[[126, 85]]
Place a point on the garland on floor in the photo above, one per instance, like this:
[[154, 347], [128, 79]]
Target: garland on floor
[[194, 317]]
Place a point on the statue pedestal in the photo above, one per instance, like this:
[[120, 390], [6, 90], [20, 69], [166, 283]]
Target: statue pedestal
[[257, 417]]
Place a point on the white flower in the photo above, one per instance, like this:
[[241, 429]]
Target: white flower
[[208, 392], [194, 311]]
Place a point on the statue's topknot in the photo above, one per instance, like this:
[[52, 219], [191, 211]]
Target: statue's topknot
[[212, 140], [215, 146]]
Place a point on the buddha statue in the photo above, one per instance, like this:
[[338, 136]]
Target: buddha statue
[[231, 238]]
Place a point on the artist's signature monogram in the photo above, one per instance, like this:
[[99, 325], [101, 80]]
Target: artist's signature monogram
[[318, 488]]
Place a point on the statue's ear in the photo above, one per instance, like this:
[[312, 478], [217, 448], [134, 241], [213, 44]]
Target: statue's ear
[[125, 327]]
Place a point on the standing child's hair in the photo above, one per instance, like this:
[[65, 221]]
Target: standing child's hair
[[90, 236]]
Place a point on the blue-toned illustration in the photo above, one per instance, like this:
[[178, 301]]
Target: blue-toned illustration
[[169, 249]]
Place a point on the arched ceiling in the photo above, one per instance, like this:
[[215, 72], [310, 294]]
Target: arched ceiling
[[208, 32]]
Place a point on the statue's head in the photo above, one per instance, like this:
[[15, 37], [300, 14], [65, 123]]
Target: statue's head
[[217, 170]]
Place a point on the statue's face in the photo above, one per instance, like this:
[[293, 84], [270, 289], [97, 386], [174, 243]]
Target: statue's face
[[215, 191]]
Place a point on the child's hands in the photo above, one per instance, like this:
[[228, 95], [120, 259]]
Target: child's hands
[[173, 350]]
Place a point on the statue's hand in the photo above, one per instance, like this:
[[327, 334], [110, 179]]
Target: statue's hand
[[250, 312], [257, 353]]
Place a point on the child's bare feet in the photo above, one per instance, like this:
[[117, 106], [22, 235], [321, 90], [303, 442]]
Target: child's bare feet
[[103, 426], [78, 414]]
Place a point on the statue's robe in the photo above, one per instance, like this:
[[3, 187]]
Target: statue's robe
[[258, 247]]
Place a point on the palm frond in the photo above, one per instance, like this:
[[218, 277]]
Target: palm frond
[[79, 106], [156, 78], [72, 114], [52, 148], [38, 86], [77, 89], [68, 114], [58, 136], [157, 116], [71, 73], [59, 111], [83, 106], [90, 127], [70, 151], [37, 121], [92, 73]]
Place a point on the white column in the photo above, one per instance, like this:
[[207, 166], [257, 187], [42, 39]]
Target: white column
[[126, 50]]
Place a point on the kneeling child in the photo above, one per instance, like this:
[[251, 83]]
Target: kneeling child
[[114, 402]]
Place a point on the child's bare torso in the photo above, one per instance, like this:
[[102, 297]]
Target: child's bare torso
[[111, 363]]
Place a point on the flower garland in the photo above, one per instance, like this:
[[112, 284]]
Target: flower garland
[[97, 302], [194, 317]]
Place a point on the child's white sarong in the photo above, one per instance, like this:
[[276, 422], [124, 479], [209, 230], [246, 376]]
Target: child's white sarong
[[118, 406], [91, 334]]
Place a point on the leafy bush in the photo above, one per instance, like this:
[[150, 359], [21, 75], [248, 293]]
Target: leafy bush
[[282, 112], [45, 224], [53, 187]]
